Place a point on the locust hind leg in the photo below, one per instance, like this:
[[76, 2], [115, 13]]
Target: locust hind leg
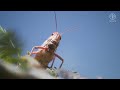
[[52, 62], [56, 55], [60, 59]]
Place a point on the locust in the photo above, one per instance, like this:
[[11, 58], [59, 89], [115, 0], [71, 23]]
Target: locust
[[47, 51]]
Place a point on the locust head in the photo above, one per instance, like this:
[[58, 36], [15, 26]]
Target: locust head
[[53, 41]]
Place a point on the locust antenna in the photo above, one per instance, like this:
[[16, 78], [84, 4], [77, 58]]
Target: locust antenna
[[55, 20]]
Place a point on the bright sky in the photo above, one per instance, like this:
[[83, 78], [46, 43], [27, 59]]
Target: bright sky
[[92, 47]]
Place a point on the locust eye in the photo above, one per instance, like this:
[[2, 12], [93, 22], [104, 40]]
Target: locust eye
[[52, 33]]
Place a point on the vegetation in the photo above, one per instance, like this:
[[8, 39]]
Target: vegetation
[[11, 48]]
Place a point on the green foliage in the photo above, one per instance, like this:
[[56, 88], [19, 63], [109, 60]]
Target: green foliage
[[52, 72], [10, 47], [9, 44]]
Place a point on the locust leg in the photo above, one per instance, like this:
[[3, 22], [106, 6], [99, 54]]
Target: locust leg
[[52, 62], [60, 59], [37, 47]]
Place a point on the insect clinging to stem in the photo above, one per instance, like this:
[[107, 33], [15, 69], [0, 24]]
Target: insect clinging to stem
[[46, 52]]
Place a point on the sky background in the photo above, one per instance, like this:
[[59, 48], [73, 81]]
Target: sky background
[[92, 47]]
